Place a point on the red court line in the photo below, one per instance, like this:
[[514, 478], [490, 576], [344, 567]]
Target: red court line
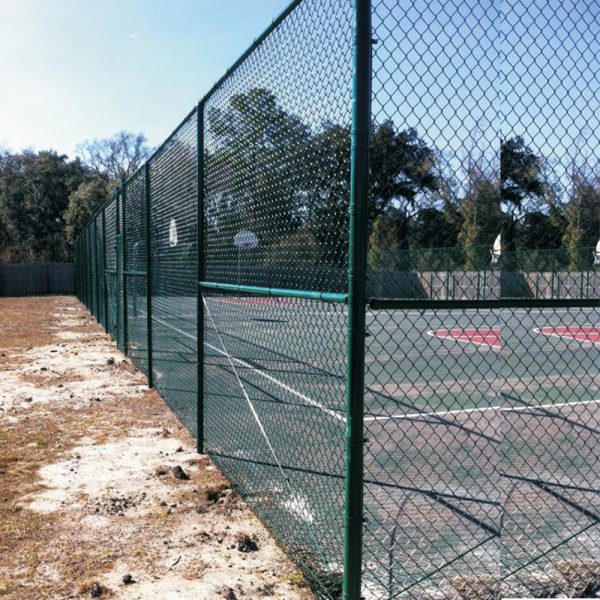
[[479, 337], [584, 334]]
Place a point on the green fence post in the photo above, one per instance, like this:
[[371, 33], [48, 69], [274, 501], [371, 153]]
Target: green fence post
[[88, 271], [119, 277], [148, 274], [200, 272], [82, 275], [124, 263], [96, 304], [82, 269], [357, 276], [78, 272], [104, 290], [75, 268]]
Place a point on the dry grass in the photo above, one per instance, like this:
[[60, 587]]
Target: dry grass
[[582, 578], [81, 504], [477, 588]]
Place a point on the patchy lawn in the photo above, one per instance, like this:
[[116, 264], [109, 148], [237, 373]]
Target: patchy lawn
[[101, 492]]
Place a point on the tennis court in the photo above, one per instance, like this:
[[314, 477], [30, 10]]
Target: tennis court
[[364, 271], [464, 410]]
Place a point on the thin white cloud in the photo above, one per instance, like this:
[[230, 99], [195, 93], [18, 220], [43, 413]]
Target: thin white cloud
[[136, 34]]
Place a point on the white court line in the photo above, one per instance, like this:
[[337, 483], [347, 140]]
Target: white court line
[[433, 333], [266, 376], [564, 337], [466, 411]]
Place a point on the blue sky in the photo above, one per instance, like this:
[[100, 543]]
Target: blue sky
[[462, 72], [466, 73], [80, 69]]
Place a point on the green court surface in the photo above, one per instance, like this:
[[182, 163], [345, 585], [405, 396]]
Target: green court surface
[[464, 410]]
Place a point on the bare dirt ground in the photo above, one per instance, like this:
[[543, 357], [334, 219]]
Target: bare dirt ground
[[101, 492]]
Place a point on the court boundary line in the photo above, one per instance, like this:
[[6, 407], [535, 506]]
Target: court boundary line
[[266, 376], [539, 331], [432, 333], [376, 418], [466, 411]]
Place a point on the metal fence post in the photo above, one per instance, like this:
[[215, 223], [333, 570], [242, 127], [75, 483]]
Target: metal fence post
[[82, 275], [124, 263], [96, 274], [88, 273], [104, 290], [117, 333], [148, 274], [94, 257], [357, 275], [84, 268], [92, 270], [75, 268], [200, 272]]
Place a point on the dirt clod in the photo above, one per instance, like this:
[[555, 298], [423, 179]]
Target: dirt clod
[[214, 494], [228, 593], [246, 543], [179, 473], [128, 579], [96, 590], [161, 471]]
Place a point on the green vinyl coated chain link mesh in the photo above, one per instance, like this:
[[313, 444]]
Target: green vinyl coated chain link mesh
[[364, 273]]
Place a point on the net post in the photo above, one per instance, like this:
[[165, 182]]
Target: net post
[[148, 274], [77, 267], [357, 275], [80, 269], [88, 270], [124, 263], [200, 276]]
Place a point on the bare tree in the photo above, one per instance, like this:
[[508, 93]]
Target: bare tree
[[117, 157]]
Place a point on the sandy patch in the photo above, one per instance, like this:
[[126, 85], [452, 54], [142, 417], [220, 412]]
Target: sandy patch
[[101, 491]]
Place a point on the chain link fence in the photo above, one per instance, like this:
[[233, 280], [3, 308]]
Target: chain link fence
[[363, 271]]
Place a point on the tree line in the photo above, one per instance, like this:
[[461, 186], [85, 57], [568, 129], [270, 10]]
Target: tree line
[[270, 172], [273, 174], [46, 199]]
